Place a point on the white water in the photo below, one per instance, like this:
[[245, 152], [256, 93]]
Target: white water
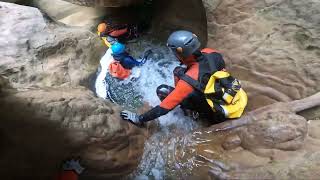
[[101, 84], [142, 85]]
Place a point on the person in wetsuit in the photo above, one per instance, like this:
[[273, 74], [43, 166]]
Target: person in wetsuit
[[200, 65]]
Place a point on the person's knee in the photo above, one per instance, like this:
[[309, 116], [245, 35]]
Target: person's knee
[[163, 91], [179, 71]]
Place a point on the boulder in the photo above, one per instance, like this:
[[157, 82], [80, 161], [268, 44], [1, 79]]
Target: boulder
[[70, 14], [51, 125], [276, 130], [36, 53]]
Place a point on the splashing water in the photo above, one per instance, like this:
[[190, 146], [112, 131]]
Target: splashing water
[[141, 87]]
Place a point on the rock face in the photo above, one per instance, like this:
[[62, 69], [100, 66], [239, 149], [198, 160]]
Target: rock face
[[179, 14], [106, 3], [70, 14], [47, 116], [62, 123], [35, 53], [272, 45]]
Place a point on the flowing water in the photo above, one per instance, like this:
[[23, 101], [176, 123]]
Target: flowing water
[[164, 147]]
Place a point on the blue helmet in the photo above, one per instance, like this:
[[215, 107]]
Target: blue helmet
[[118, 48]]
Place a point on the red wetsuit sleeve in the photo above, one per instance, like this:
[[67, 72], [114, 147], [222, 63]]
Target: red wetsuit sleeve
[[67, 175], [119, 32], [181, 91]]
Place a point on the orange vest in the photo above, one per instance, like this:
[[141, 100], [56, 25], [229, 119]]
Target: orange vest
[[118, 71]]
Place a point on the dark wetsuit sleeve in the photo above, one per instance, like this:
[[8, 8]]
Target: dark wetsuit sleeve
[[181, 91], [153, 114]]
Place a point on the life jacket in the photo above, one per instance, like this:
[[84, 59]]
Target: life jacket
[[118, 71], [223, 92]]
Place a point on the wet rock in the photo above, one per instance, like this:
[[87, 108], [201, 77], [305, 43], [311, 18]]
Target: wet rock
[[273, 142], [36, 53], [231, 142], [70, 14], [283, 131]]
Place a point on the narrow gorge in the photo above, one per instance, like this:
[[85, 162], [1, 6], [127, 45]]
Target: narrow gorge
[[52, 109]]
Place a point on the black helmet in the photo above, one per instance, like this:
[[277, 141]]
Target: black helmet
[[183, 43]]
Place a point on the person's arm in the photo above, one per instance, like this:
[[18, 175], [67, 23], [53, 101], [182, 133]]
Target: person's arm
[[181, 91], [118, 32], [129, 62]]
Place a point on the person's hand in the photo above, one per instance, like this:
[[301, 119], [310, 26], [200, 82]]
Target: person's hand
[[131, 116], [72, 165]]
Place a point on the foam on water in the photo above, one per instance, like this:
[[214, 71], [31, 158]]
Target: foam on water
[[100, 84]]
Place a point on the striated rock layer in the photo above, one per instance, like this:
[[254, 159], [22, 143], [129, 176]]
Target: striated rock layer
[[273, 46]]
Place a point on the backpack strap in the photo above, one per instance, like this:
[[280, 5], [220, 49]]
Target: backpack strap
[[194, 83]]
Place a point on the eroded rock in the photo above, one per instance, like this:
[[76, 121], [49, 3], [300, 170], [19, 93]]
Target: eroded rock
[[285, 131], [71, 14], [86, 126], [272, 46], [35, 53], [231, 142], [259, 145]]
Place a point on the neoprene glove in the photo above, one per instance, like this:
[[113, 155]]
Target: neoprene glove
[[73, 165], [131, 116]]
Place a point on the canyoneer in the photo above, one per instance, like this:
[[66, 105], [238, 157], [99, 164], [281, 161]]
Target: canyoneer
[[123, 63], [111, 33], [204, 87]]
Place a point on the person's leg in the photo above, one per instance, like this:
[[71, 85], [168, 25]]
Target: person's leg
[[195, 105], [163, 91]]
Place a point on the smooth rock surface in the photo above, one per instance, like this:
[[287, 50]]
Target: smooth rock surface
[[35, 53], [71, 14], [77, 124]]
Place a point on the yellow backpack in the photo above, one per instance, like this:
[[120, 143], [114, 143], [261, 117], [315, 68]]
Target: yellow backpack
[[223, 93]]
